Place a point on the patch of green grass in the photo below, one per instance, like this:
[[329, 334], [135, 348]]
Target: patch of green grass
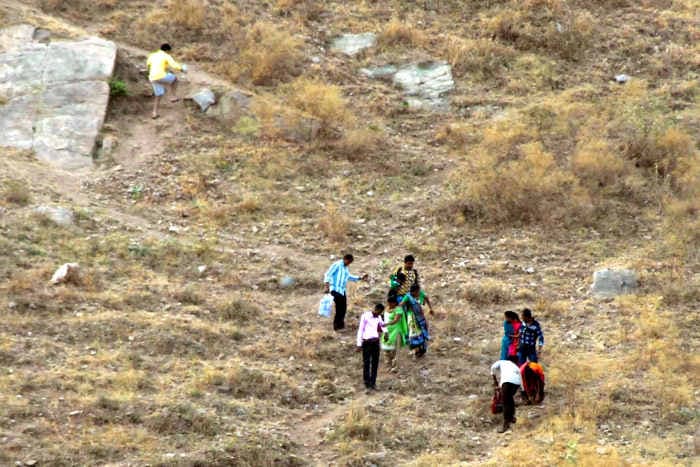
[[118, 87]]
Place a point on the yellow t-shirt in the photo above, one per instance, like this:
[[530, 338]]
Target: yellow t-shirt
[[158, 64]]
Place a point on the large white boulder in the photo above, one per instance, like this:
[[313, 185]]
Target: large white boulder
[[55, 95]]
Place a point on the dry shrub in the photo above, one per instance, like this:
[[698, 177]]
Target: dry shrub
[[529, 188], [16, 192], [270, 54], [487, 291], [359, 143], [282, 121], [187, 13], [181, 21], [533, 72], [482, 58], [183, 418], [596, 164], [76, 5], [399, 33], [455, 134], [544, 25], [334, 225], [322, 101], [357, 425]]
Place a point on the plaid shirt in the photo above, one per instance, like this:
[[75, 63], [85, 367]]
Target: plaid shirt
[[530, 334]]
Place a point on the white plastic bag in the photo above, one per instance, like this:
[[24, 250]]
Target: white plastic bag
[[326, 305]]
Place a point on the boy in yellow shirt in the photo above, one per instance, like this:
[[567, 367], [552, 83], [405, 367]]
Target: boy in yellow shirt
[[159, 65]]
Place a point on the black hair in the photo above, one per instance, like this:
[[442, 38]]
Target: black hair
[[415, 288], [392, 299], [409, 259], [379, 307], [349, 257], [514, 359], [166, 47], [512, 315], [527, 313]]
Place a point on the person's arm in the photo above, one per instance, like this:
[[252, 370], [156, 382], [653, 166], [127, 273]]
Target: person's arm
[[173, 64], [396, 319], [494, 367], [330, 275], [361, 330], [427, 302]]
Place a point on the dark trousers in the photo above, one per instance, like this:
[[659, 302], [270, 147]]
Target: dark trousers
[[341, 306], [370, 362], [527, 352], [508, 390]]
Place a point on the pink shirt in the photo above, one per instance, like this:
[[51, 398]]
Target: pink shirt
[[369, 327]]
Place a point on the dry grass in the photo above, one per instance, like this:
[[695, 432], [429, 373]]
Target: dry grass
[[322, 101], [270, 55], [397, 33], [542, 161], [334, 224], [16, 192], [487, 291], [360, 143], [481, 58]]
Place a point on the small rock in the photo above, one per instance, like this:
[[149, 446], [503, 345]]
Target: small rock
[[352, 44], [43, 36], [75, 412], [201, 269], [69, 272], [109, 144], [287, 282], [457, 339], [473, 396], [30, 462], [622, 78], [204, 98], [530, 270], [224, 389], [173, 229], [58, 215]]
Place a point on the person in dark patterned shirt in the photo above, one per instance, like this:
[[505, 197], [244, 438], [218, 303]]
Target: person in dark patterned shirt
[[530, 336]]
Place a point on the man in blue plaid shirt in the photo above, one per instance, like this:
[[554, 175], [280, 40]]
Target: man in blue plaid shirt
[[530, 335]]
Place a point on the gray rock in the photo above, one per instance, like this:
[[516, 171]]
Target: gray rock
[[425, 84], [109, 144], [42, 36], [380, 72], [609, 283], [231, 107], [622, 78], [204, 98], [57, 95], [352, 44], [57, 215]]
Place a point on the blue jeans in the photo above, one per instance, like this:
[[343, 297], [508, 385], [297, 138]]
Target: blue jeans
[[527, 352]]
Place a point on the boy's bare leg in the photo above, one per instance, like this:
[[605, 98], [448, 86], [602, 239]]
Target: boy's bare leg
[[156, 105], [173, 90]]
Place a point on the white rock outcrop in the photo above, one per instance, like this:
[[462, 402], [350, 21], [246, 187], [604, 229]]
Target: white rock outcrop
[[54, 96]]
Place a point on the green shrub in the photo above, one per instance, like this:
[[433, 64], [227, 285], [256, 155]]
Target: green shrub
[[118, 87]]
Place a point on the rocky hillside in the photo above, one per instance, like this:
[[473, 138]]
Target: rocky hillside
[[514, 147]]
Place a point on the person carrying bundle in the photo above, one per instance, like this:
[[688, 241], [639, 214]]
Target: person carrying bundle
[[418, 334]]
